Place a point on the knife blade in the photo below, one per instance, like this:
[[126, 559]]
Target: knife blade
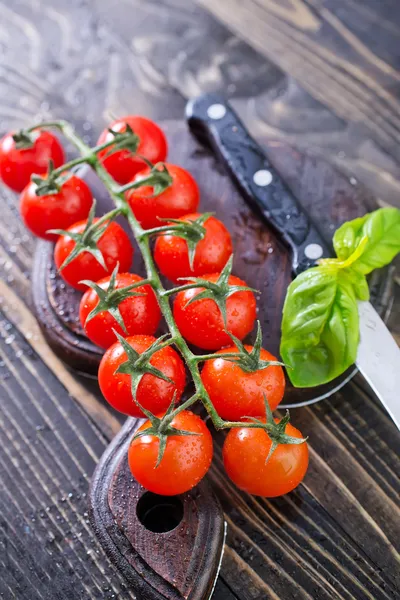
[[214, 123], [378, 359]]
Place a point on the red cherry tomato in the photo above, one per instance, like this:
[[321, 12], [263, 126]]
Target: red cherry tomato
[[114, 244], [201, 322], [153, 393], [245, 452], [236, 393], [17, 165], [180, 198], [123, 164], [185, 462], [212, 252], [141, 314], [55, 211]]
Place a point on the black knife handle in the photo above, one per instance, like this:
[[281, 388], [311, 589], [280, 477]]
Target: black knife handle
[[213, 121]]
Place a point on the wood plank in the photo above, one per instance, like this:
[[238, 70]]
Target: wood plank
[[49, 448], [19, 315], [302, 103], [311, 549], [328, 46]]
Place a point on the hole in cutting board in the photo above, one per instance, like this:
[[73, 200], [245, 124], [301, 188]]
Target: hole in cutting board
[[159, 514]]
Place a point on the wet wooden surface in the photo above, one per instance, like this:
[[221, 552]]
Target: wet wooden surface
[[337, 536]]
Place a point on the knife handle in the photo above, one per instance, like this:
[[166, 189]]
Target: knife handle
[[213, 121]]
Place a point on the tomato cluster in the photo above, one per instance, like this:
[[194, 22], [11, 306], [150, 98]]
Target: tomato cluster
[[139, 374]]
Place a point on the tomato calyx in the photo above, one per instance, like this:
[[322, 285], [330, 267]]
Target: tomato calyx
[[161, 427], [25, 139], [250, 361], [124, 140], [111, 298], [218, 291], [88, 239], [275, 431], [159, 179], [190, 231], [52, 182], [138, 365]]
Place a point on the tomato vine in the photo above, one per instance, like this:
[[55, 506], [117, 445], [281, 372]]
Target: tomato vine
[[85, 237], [142, 236]]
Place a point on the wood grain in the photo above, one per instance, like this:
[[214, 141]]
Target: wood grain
[[85, 60], [48, 450], [21, 317], [340, 53]]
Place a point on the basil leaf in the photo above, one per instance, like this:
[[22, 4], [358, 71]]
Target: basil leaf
[[381, 228], [347, 237], [320, 326], [358, 281]]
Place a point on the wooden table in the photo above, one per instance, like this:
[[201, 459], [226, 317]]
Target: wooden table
[[324, 75]]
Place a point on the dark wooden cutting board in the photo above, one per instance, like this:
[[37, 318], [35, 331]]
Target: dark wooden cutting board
[[168, 548], [260, 257]]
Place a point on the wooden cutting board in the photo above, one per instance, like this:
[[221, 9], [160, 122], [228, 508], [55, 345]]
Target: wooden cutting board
[[260, 257]]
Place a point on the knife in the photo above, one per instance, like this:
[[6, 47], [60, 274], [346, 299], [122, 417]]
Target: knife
[[213, 121]]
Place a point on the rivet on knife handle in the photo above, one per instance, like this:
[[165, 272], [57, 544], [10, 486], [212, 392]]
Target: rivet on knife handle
[[213, 121]]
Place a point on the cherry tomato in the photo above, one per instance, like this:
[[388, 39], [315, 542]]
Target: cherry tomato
[[212, 252], [180, 198], [153, 393], [141, 314], [17, 165], [201, 322], [114, 244], [236, 393], [55, 211], [245, 451], [123, 164], [185, 462]]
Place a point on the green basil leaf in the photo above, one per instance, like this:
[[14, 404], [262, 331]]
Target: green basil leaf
[[358, 281], [382, 230], [320, 326], [347, 237]]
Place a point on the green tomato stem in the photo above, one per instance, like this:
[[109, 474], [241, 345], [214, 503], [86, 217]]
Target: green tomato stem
[[225, 355], [184, 406], [158, 230], [150, 180]]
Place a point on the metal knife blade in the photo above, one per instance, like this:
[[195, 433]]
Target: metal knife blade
[[215, 123], [378, 359]]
